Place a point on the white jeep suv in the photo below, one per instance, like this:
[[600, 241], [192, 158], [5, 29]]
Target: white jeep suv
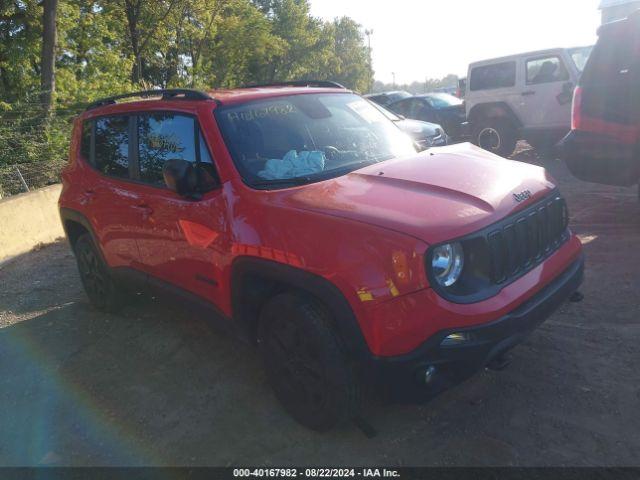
[[526, 96]]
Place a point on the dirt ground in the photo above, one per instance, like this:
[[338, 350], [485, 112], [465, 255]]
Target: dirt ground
[[155, 385]]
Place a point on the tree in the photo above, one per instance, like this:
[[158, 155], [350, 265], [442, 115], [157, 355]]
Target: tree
[[301, 35], [349, 63], [57, 55], [48, 58], [143, 20], [20, 49]]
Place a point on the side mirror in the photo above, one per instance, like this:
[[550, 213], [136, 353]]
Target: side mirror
[[180, 176]]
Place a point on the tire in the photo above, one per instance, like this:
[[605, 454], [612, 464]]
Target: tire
[[306, 363], [497, 136], [96, 279]]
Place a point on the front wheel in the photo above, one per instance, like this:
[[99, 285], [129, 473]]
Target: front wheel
[[103, 292], [497, 136], [306, 362]]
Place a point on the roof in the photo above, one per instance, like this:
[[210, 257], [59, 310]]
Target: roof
[[549, 51], [390, 92], [615, 3], [241, 95], [517, 55], [188, 97]]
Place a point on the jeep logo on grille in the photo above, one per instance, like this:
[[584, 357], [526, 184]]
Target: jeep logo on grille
[[522, 196]]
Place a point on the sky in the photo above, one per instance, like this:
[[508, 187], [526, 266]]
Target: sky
[[420, 39]]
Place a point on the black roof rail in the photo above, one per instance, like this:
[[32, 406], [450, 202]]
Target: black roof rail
[[166, 94], [299, 83]]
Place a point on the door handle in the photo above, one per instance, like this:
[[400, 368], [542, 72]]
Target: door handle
[[146, 211], [528, 93]]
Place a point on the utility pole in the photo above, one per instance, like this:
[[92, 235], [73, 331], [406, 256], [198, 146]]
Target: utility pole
[[394, 79], [368, 33]]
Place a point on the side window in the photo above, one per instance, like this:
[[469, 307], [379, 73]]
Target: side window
[[499, 75], [85, 140], [546, 70], [170, 136], [112, 146], [402, 107], [420, 109]]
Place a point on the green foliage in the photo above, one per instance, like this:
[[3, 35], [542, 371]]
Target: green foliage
[[113, 46]]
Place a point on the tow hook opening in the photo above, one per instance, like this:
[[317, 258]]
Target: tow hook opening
[[424, 375]]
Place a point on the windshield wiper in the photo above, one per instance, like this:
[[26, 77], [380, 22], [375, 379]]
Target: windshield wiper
[[282, 182]]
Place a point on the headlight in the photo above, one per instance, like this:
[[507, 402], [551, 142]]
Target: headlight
[[446, 263]]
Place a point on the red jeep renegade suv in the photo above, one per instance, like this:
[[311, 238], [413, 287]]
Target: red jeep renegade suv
[[309, 224]]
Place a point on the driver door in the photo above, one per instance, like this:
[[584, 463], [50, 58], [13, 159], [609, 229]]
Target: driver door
[[181, 242]]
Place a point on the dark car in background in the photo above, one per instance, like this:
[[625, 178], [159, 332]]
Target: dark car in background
[[440, 108], [386, 98], [604, 143], [424, 134]]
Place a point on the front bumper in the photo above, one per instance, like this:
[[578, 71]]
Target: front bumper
[[402, 378], [459, 132]]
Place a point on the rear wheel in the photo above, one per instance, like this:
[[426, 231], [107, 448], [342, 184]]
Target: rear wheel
[[497, 136], [98, 283], [306, 362]]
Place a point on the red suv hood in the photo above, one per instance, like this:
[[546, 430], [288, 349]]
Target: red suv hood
[[438, 195]]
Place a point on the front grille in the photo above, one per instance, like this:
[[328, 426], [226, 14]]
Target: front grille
[[524, 240]]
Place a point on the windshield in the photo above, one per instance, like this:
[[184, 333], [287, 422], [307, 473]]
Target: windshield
[[299, 139], [395, 96], [580, 56], [442, 100]]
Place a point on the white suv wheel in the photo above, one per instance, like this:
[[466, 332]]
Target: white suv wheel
[[489, 139]]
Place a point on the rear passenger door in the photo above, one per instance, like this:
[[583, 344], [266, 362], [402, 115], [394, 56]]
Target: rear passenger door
[[180, 238], [547, 93], [110, 199]]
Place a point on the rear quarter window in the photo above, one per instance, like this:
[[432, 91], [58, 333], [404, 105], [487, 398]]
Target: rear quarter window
[[488, 77]]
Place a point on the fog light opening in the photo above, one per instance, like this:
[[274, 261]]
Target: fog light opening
[[427, 374], [458, 338]]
